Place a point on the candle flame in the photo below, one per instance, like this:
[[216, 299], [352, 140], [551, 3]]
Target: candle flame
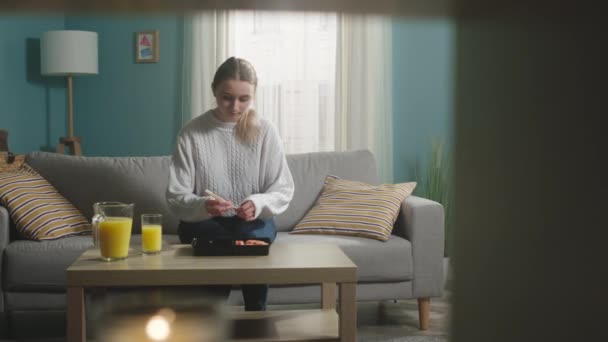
[[158, 328]]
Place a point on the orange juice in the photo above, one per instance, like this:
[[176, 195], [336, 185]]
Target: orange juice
[[114, 237], [151, 238]]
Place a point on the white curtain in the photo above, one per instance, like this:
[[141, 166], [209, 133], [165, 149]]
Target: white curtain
[[208, 42], [294, 55], [362, 94], [364, 98]]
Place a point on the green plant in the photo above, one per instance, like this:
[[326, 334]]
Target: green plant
[[435, 183]]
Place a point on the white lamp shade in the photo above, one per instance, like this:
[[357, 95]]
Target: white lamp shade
[[68, 53]]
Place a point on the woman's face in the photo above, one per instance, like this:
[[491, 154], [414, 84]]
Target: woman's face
[[233, 99]]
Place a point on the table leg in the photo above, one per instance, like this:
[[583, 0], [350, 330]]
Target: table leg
[[76, 328], [348, 312], [328, 295]]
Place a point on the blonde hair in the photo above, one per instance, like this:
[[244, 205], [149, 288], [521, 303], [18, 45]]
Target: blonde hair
[[239, 69]]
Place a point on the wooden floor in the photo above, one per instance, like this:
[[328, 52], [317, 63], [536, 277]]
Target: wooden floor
[[390, 320], [383, 321]]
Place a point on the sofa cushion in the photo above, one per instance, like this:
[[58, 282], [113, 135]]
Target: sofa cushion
[[309, 170], [143, 181], [86, 180], [347, 207], [376, 261], [32, 265], [40, 266], [39, 211]]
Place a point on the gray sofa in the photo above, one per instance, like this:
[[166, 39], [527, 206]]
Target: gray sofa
[[408, 265]]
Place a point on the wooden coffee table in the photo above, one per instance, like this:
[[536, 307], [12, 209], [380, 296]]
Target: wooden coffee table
[[323, 264]]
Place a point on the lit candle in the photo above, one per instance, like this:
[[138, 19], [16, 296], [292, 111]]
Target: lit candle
[[158, 328]]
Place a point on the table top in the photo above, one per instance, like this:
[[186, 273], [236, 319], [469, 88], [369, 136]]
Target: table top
[[286, 263]]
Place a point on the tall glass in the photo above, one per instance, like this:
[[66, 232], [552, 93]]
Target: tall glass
[[151, 233], [112, 226]]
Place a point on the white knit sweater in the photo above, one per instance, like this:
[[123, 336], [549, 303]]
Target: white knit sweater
[[208, 155]]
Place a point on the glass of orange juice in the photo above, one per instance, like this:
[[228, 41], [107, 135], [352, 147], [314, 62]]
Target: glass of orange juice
[[113, 222], [151, 233]]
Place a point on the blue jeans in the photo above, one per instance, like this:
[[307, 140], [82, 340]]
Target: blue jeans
[[254, 295]]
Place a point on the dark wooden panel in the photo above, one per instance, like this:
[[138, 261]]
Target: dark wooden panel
[[396, 7]]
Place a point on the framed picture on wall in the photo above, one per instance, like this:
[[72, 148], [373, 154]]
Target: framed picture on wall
[[146, 47]]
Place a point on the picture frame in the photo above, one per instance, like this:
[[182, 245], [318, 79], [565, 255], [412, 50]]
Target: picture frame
[[146, 47]]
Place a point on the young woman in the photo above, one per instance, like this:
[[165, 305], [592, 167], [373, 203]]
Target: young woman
[[234, 153]]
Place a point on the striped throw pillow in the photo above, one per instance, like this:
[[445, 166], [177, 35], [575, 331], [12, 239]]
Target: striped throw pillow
[[38, 210], [354, 208]]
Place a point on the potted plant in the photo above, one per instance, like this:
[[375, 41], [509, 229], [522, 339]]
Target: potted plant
[[435, 183]]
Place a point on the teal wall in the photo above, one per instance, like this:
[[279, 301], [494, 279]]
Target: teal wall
[[129, 109], [132, 109], [32, 107], [423, 80]]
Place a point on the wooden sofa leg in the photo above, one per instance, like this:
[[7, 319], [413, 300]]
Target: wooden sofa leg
[[424, 308]]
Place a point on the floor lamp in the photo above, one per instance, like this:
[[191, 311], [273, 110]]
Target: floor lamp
[[68, 53]]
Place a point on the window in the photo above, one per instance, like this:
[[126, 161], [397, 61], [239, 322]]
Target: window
[[295, 57]]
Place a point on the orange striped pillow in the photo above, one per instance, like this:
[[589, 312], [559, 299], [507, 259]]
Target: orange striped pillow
[[38, 210], [354, 208]]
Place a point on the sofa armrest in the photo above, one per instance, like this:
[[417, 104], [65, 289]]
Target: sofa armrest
[[421, 221], [5, 220]]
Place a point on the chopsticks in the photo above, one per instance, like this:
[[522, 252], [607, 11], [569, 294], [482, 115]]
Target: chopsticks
[[209, 193]]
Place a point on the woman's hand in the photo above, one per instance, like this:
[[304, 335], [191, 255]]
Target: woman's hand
[[217, 207], [246, 211]]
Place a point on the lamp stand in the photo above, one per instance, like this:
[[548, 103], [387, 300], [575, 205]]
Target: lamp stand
[[72, 142]]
